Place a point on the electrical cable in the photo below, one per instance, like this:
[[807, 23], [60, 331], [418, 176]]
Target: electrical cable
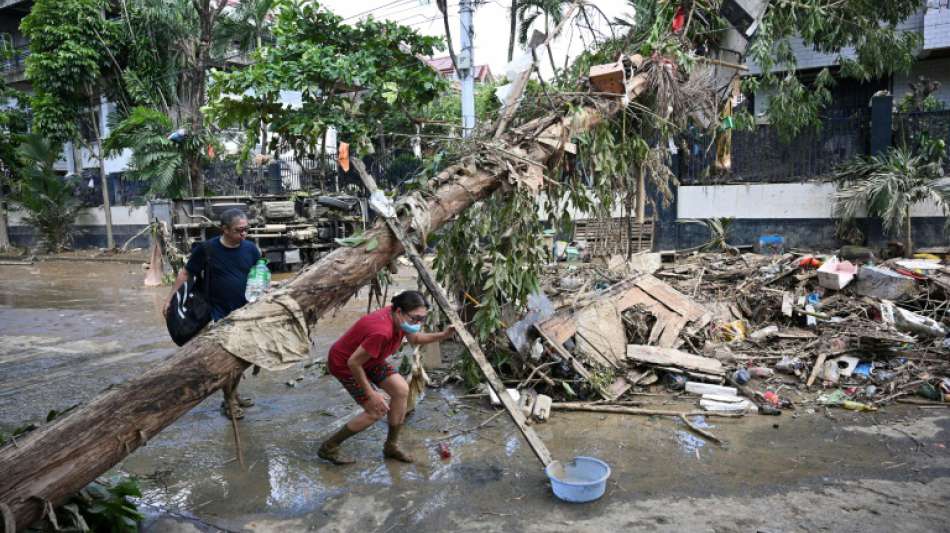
[[384, 6]]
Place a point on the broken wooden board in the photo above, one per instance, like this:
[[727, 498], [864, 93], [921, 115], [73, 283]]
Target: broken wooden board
[[618, 388], [672, 308], [578, 367], [656, 355], [601, 335], [795, 333]]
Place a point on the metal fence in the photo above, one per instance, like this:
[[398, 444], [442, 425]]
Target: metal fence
[[761, 155], [121, 191]]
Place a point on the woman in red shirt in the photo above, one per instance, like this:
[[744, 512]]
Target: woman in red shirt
[[358, 358]]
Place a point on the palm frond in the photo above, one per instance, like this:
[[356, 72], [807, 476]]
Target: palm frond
[[886, 186]]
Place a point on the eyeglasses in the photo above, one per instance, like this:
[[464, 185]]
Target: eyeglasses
[[242, 229], [416, 319]]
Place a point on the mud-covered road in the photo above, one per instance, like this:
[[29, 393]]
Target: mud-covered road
[[71, 329]]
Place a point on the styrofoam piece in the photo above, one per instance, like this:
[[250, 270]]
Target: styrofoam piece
[[919, 264], [496, 401], [835, 368], [696, 387], [724, 398], [711, 405], [836, 275], [764, 333], [910, 322], [542, 407]]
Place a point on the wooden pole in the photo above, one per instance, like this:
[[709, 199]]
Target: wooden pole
[[53, 462]]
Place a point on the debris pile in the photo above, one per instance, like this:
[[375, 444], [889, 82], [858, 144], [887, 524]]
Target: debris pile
[[731, 334]]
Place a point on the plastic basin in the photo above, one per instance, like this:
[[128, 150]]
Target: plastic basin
[[582, 480]]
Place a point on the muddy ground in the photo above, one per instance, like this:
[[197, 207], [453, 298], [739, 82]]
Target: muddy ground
[[70, 329]]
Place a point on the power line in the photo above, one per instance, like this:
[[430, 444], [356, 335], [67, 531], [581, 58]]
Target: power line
[[384, 6]]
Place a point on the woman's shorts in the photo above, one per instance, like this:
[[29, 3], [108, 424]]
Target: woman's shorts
[[376, 374]]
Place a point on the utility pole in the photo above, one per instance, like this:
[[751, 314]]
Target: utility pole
[[466, 67]]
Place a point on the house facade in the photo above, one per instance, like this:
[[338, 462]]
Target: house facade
[[779, 187]]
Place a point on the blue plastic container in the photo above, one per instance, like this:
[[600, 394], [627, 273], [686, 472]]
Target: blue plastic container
[[771, 245], [582, 480]]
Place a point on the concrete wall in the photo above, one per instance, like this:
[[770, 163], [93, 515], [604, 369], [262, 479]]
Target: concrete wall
[[767, 201], [801, 212], [89, 231], [937, 25]]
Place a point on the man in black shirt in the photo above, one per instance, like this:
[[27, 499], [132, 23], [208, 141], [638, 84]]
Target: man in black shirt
[[230, 260]]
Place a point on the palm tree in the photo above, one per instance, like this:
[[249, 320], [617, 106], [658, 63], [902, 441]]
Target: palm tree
[[531, 11], [513, 30], [49, 199], [155, 159], [887, 186], [247, 26]]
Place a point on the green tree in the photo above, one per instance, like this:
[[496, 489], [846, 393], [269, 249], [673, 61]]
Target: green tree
[[50, 200], [870, 28], [168, 48], [351, 78], [13, 127], [69, 69], [888, 185]]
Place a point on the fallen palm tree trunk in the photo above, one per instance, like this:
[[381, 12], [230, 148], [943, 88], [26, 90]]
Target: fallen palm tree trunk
[[55, 461]]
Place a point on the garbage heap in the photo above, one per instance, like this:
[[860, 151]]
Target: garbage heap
[[737, 333]]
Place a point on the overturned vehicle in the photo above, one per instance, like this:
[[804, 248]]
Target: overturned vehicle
[[290, 229]]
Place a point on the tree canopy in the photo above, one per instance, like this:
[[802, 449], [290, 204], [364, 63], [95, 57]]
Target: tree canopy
[[350, 77], [68, 63]]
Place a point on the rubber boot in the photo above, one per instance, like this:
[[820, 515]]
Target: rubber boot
[[330, 449], [391, 448]]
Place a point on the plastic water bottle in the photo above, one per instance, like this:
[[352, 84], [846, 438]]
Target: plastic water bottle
[[258, 280]]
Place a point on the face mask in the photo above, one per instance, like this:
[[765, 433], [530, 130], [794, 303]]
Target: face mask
[[411, 328]]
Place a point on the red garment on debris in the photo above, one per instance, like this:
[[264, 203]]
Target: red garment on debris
[[375, 332], [679, 19]]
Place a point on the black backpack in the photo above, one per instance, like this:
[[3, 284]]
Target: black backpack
[[190, 309]]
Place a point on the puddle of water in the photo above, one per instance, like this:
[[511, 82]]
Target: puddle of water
[[512, 445]]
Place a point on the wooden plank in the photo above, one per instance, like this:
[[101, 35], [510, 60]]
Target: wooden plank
[[663, 319], [618, 388], [601, 334], [521, 81], [656, 355], [534, 442], [560, 327], [575, 364], [819, 363], [671, 332], [670, 297], [662, 303]]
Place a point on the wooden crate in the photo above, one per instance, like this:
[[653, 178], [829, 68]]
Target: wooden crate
[[608, 236]]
